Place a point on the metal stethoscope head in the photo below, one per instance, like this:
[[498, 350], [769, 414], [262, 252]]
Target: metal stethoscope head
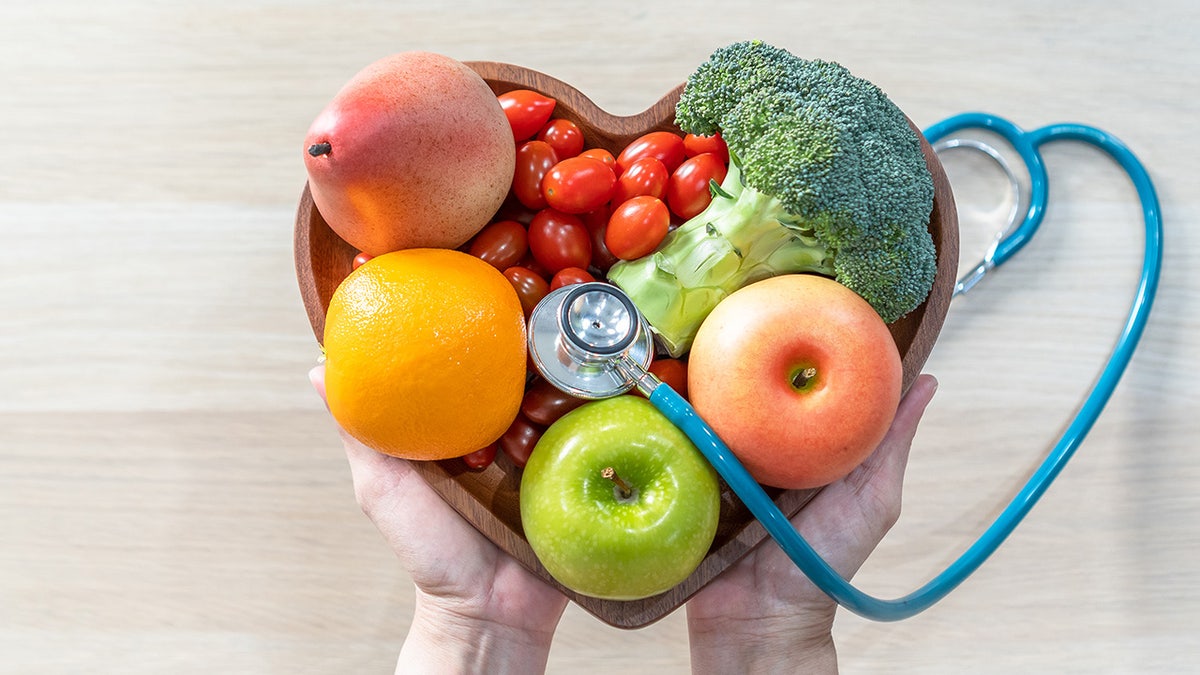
[[590, 341]]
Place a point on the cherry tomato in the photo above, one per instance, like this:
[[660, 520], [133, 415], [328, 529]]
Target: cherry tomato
[[361, 259], [646, 176], [481, 458], [520, 438], [697, 145], [564, 136], [570, 275], [663, 145], [530, 263], [501, 244], [637, 227], [544, 403], [534, 161], [672, 372], [687, 191], [597, 224], [596, 217], [527, 111], [531, 287], [578, 185], [602, 155], [558, 240], [602, 258]]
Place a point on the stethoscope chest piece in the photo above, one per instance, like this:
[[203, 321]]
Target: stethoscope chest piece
[[583, 338]]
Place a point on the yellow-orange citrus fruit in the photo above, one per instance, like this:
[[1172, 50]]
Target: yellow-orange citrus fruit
[[425, 353]]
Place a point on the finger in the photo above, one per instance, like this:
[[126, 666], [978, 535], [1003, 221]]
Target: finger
[[316, 377], [884, 468]]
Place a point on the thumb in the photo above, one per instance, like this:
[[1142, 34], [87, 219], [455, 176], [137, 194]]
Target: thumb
[[884, 469], [316, 377]]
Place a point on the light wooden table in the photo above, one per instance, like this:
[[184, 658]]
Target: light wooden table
[[173, 498]]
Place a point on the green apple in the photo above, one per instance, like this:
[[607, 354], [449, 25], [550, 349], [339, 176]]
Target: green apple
[[616, 502]]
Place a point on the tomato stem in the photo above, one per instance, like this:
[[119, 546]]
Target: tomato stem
[[624, 490], [318, 149]]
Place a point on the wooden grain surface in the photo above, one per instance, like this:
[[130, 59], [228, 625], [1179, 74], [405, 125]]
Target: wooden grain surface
[[174, 499]]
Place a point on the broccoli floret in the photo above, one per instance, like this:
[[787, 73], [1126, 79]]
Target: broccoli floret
[[826, 176]]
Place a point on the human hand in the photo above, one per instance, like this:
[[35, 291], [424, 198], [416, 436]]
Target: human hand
[[477, 608], [763, 614]]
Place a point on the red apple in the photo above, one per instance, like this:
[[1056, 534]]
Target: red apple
[[799, 376]]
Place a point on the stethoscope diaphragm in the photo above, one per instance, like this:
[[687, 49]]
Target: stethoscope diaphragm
[[589, 340]]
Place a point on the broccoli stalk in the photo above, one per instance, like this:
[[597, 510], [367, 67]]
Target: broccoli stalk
[[826, 176], [741, 237]]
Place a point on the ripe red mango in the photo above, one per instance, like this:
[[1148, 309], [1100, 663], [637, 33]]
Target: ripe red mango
[[414, 151]]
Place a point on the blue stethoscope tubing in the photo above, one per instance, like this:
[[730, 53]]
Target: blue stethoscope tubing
[[1026, 144]]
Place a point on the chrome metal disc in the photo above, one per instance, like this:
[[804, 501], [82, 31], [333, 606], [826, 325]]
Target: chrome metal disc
[[578, 333]]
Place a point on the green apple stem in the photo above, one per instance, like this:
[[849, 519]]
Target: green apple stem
[[624, 490], [318, 149]]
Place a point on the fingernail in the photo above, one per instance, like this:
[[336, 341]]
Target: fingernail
[[316, 377]]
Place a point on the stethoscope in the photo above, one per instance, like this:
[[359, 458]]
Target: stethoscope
[[590, 341]]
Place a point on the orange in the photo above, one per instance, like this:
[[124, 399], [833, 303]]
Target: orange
[[425, 354]]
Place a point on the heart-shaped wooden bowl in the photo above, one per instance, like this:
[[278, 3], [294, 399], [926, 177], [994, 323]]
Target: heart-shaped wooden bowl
[[489, 498]]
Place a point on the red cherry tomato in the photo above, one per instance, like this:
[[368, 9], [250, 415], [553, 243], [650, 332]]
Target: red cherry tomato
[[662, 145], [596, 217], [530, 263], [501, 244], [688, 190], [534, 161], [602, 258], [564, 136], [544, 403], [597, 224], [531, 287], [559, 240], [637, 227], [527, 111], [360, 260], [602, 155], [578, 185], [672, 372], [481, 458], [646, 176], [520, 438], [697, 145], [570, 275]]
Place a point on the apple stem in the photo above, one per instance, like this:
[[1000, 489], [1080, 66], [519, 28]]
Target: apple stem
[[318, 149], [625, 489], [803, 377]]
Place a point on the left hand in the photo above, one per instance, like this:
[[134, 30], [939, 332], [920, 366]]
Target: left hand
[[469, 592]]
